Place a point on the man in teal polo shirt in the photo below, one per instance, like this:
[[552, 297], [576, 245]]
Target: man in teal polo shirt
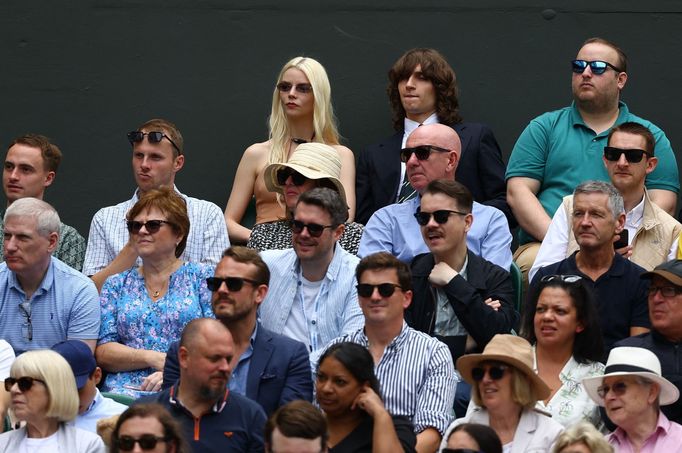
[[560, 149]]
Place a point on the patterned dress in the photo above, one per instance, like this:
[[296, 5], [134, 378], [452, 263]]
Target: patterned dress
[[277, 236]]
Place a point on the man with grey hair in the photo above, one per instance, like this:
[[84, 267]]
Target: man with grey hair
[[620, 295], [312, 296], [42, 300]]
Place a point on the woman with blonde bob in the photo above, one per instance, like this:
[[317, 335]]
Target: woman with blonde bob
[[301, 112], [505, 388], [44, 395], [582, 437]]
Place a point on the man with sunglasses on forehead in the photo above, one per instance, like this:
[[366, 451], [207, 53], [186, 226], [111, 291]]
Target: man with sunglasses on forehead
[[433, 152], [560, 149], [651, 234], [157, 156], [270, 369]]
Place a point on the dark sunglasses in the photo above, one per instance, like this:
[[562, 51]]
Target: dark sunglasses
[[303, 88], [618, 388], [494, 371], [666, 291], [314, 229], [24, 383], [422, 152], [146, 441], [631, 155], [284, 173], [233, 284], [597, 67], [152, 226], [561, 278], [441, 216], [385, 289], [153, 137]]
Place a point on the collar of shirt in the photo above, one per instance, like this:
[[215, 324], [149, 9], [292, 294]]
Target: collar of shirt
[[662, 427], [577, 119], [217, 407], [332, 270], [410, 126], [463, 272], [396, 343], [98, 397], [633, 218], [45, 284]]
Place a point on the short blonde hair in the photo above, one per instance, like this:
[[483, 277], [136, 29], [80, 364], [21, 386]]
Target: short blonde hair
[[51, 368], [523, 393], [583, 432]]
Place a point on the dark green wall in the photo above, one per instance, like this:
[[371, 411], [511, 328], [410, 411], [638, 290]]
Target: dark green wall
[[85, 72]]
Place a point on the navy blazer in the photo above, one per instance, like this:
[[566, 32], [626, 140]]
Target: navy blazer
[[279, 371], [480, 168]]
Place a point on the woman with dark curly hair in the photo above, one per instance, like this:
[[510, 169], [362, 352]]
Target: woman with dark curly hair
[[151, 427]]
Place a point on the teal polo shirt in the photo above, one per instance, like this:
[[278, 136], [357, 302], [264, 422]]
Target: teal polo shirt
[[559, 150]]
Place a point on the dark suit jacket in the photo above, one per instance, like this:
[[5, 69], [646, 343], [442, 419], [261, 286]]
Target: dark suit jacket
[[481, 169], [279, 371]]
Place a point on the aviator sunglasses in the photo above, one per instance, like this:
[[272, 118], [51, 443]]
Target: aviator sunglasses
[[385, 289], [597, 67], [303, 88], [146, 441], [153, 137], [233, 284], [494, 371], [296, 178], [152, 226], [314, 229], [631, 155], [440, 216], [422, 152], [24, 383]]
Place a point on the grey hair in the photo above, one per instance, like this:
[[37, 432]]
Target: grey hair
[[47, 219], [329, 200], [615, 202]]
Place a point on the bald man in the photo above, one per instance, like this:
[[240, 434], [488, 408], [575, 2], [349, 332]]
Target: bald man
[[433, 152]]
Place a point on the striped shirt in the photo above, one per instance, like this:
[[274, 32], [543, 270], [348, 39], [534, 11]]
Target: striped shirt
[[417, 378], [206, 241]]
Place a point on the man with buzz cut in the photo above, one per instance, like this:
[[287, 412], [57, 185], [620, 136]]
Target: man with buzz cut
[[157, 156]]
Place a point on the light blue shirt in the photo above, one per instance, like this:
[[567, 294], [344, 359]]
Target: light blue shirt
[[100, 408], [65, 306], [394, 229], [240, 372], [336, 310]]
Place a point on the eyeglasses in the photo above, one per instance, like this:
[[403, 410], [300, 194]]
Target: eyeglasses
[[560, 278], [385, 289], [284, 173], [24, 383], [597, 67], [302, 88], [631, 155], [422, 152], [441, 216], [146, 441], [153, 137], [666, 291], [496, 372], [314, 229], [152, 226], [618, 388], [25, 308], [233, 284]]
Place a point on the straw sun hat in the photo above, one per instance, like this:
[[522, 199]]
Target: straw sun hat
[[510, 350]]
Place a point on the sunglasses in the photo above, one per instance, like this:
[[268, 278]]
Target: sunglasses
[[302, 88], [666, 291], [560, 278], [284, 173], [597, 67], [618, 388], [24, 383], [385, 289], [314, 229], [422, 152], [233, 284], [441, 216], [153, 137], [631, 155], [152, 226], [146, 441], [496, 372]]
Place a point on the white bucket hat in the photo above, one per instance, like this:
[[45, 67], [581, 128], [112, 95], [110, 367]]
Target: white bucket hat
[[628, 361]]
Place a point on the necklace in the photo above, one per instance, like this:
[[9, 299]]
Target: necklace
[[300, 141], [155, 294]]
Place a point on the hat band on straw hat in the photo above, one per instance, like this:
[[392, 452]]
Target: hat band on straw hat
[[621, 367]]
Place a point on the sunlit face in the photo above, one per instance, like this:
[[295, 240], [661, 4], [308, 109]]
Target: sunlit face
[[593, 222], [628, 176], [379, 310], [162, 243], [556, 319], [637, 401], [233, 306], [439, 164], [598, 90], [31, 405], [665, 312], [417, 95], [336, 387], [26, 250], [283, 444], [154, 164], [460, 439], [136, 427], [443, 239], [25, 174], [297, 105], [315, 249], [206, 363]]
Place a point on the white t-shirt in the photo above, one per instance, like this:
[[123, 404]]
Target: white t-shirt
[[48, 444], [303, 311], [6, 359]]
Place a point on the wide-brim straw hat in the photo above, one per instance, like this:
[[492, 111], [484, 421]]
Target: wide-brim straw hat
[[510, 350], [312, 160], [629, 361]]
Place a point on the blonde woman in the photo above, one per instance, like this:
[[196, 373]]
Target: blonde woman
[[301, 112]]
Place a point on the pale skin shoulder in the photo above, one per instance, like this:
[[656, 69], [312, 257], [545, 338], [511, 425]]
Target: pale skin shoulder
[[348, 177], [251, 164]]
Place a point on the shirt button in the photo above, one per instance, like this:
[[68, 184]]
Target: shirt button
[[313, 322]]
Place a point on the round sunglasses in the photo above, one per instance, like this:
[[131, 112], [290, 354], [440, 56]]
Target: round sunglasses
[[496, 372], [153, 137], [441, 216], [283, 174]]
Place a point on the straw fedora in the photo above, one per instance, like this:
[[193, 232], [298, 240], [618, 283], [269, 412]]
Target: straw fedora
[[312, 160], [629, 361], [509, 349]]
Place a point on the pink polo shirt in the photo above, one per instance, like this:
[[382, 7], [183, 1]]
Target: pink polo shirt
[[667, 437]]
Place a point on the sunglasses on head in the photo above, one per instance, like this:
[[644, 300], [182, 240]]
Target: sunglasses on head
[[284, 173], [441, 216], [314, 229], [153, 137], [385, 289], [631, 155], [597, 67], [24, 383], [494, 371], [152, 226], [146, 441], [303, 88], [233, 284], [618, 388], [422, 152], [560, 278]]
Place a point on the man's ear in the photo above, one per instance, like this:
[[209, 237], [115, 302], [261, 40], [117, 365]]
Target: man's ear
[[183, 357]]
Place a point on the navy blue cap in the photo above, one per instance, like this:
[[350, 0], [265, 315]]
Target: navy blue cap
[[80, 357]]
